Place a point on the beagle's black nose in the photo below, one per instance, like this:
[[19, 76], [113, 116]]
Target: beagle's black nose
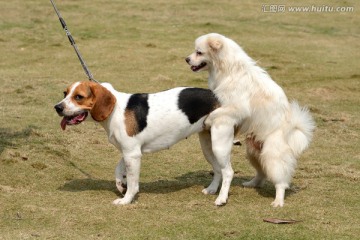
[[59, 108], [187, 59]]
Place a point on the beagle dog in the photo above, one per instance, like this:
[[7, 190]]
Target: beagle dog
[[142, 122]]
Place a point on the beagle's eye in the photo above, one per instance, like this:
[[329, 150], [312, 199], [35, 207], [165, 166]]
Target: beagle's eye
[[199, 53], [78, 97], [65, 93]]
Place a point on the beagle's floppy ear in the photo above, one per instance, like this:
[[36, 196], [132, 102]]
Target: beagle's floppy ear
[[104, 102], [215, 43]]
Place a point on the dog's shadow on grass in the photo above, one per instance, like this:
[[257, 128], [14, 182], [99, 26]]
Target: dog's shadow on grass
[[88, 184], [163, 186], [9, 137], [198, 178], [187, 180]]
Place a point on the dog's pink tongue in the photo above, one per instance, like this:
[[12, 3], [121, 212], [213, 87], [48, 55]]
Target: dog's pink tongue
[[63, 123]]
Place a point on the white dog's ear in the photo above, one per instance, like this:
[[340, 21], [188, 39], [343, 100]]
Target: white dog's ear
[[215, 44]]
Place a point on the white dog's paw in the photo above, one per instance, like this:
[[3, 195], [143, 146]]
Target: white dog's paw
[[277, 203], [121, 201], [209, 191], [220, 201]]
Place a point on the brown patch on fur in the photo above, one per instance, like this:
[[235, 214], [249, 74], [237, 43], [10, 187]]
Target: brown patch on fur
[[131, 123], [237, 131], [104, 102], [87, 102], [251, 141]]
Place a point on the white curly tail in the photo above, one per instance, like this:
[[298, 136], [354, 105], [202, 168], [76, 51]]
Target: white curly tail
[[302, 127]]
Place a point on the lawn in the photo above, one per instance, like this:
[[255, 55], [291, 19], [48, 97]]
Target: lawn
[[58, 184]]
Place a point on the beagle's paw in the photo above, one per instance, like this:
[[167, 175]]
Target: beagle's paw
[[121, 201]]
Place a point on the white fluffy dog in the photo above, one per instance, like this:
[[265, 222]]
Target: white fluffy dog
[[276, 131]]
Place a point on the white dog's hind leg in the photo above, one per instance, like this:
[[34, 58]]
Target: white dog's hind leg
[[222, 136], [120, 174], [253, 157], [278, 164], [280, 195], [133, 173], [205, 141]]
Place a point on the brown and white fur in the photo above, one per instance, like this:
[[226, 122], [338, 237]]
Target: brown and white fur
[[276, 131], [140, 123]]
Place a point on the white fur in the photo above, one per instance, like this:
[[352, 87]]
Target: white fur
[[251, 100]]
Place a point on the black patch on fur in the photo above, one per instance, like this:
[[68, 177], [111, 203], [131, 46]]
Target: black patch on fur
[[138, 103], [197, 102]]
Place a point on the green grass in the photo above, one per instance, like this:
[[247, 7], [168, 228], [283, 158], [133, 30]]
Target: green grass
[[60, 185]]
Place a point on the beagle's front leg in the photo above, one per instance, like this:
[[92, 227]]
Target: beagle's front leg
[[132, 162], [120, 176]]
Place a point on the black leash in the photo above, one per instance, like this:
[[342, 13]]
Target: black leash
[[72, 42]]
